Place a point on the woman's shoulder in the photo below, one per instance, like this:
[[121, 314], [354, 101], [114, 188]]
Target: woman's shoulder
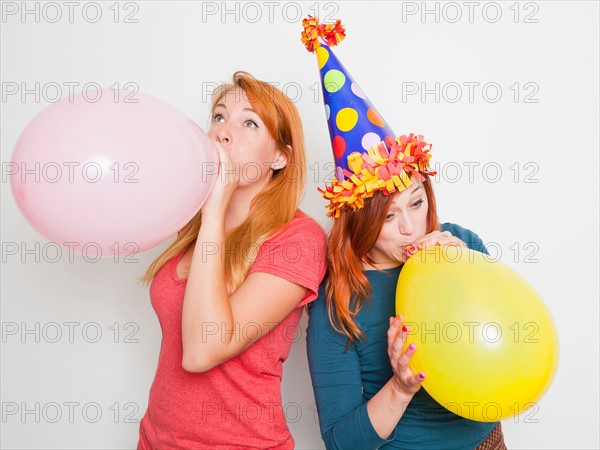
[[304, 224], [456, 229], [301, 245], [318, 315], [302, 217], [469, 237]]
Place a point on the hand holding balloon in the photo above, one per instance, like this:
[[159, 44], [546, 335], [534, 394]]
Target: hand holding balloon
[[227, 182], [435, 238], [406, 381]]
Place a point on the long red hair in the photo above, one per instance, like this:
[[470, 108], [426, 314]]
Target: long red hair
[[352, 236]]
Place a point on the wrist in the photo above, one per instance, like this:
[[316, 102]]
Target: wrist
[[212, 229], [212, 220], [399, 392], [214, 211]]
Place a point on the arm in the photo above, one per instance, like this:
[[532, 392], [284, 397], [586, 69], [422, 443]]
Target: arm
[[345, 419], [336, 380], [210, 315], [277, 284], [211, 318], [387, 407]]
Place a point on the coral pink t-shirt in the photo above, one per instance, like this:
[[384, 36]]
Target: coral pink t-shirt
[[236, 405]]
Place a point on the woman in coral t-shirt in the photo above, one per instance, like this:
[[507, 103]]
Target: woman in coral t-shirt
[[229, 291]]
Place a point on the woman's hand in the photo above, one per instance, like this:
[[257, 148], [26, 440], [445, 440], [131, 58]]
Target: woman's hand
[[435, 238], [226, 184], [406, 381], [387, 407]]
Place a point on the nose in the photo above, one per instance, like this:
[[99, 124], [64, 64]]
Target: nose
[[220, 133], [407, 225], [223, 136]]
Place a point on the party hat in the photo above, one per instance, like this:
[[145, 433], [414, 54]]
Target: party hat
[[367, 156]]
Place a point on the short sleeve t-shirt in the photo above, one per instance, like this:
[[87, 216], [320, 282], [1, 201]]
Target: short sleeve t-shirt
[[236, 405]]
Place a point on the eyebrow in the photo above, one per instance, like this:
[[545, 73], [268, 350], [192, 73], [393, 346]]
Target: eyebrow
[[392, 206], [222, 105]]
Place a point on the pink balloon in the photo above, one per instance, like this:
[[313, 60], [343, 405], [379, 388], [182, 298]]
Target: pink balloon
[[120, 177]]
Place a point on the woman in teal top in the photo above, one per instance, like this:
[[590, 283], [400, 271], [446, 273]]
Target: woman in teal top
[[367, 396]]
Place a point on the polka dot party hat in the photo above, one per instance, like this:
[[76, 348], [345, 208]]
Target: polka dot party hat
[[367, 156]]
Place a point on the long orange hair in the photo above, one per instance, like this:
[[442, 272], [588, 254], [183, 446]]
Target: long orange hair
[[352, 236], [276, 205]]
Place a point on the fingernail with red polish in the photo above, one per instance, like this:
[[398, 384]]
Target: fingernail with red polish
[[422, 376], [404, 329], [411, 250], [411, 347]]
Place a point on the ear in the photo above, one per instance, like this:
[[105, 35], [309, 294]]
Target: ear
[[280, 159]]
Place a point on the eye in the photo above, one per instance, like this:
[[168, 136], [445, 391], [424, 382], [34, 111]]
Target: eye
[[218, 117], [389, 217], [417, 203], [250, 124]]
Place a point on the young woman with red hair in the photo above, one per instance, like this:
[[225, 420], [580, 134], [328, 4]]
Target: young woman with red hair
[[367, 396], [229, 291]]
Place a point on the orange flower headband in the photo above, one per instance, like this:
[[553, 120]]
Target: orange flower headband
[[379, 169]]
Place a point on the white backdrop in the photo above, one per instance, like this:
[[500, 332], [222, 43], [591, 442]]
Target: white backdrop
[[507, 92]]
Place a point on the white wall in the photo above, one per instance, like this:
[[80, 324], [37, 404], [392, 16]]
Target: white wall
[[548, 55]]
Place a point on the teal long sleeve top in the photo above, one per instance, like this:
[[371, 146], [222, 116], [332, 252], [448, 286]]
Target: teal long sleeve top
[[344, 380]]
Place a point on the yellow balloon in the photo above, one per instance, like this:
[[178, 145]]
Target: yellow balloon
[[484, 338]]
